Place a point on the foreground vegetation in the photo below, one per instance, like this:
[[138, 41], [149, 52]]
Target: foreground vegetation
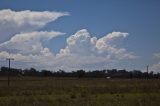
[[50, 91]]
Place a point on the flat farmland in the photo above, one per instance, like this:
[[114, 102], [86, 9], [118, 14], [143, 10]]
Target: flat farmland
[[50, 91]]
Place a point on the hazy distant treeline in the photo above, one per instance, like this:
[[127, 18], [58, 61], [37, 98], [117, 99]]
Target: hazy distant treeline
[[106, 73]]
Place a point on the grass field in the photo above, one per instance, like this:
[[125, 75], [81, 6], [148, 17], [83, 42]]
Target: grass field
[[45, 91]]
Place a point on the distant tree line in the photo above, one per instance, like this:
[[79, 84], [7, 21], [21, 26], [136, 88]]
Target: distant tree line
[[109, 73]]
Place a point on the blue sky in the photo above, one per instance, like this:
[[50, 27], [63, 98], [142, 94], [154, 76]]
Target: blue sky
[[139, 18]]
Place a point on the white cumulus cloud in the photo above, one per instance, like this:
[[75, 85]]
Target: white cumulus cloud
[[156, 67], [81, 43], [81, 52], [157, 55], [14, 22], [27, 48], [22, 39], [29, 43], [85, 51]]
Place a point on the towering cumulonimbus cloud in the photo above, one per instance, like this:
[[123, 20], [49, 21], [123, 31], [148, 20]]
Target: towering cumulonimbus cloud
[[85, 51], [81, 43]]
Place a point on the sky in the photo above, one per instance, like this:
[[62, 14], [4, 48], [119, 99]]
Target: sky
[[84, 34]]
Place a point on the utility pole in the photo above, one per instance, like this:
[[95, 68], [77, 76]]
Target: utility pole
[[147, 72], [9, 64]]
